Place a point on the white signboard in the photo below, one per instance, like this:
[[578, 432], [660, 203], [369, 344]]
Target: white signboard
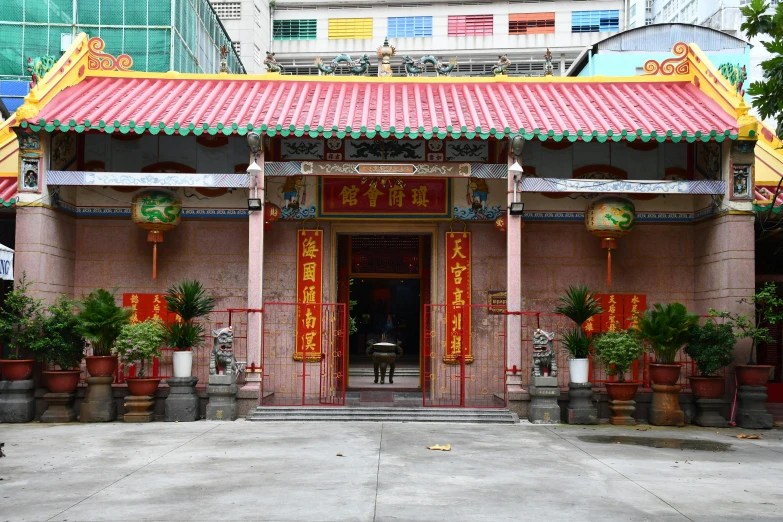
[[6, 264]]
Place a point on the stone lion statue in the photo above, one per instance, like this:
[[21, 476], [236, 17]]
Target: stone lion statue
[[544, 360], [222, 355]]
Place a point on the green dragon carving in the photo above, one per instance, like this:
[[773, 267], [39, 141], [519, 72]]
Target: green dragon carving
[[735, 74], [415, 68], [626, 221], [151, 208], [356, 67], [38, 68]]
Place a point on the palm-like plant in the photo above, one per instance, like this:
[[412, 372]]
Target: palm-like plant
[[189, 300], [578, 304], [102, 320], [667, 328]]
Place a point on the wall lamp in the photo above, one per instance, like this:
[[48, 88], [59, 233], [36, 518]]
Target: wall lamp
[[517, 208]]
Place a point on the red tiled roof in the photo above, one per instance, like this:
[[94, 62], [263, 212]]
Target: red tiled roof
[[8, 191], [332, 107]]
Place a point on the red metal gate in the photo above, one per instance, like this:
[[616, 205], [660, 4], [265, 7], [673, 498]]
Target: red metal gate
[[477, 381], [313, 380]]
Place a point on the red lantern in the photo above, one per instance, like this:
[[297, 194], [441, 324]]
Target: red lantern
[[272, 213], [501, 222]]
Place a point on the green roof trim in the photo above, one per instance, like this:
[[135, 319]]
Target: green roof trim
[[453, 132]]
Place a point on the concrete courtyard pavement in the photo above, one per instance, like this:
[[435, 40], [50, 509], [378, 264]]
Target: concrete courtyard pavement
[[211, 471]]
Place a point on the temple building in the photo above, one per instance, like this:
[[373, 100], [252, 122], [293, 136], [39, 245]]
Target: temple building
[[449, 212]]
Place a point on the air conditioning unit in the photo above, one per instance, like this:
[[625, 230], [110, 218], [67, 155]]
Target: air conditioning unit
[[66, 39]]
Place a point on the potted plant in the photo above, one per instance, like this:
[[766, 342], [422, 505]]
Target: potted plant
[[137, 344], [578, 304], [617, 351], [61, 344], [711, 347], [20, 318], [666, 329], [101, 321], [768, 309], [190, 301]]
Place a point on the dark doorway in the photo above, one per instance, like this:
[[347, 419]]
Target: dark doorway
[[386, 278]]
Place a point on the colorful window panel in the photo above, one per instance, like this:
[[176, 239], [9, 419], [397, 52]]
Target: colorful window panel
[[409, 26], [294, 29], [350, 28], [595, 21], [531, 23], [470, 25]]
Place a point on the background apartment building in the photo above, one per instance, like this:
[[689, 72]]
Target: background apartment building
[[475, 32]]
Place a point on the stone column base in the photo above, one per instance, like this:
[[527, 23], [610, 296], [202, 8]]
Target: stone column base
[[182, 404], [543, 401], [17, 401], [752, 408], [222, 404], [98, 405], [708, 413], [59, 407], [622, 413], [139, 408], [665, 407], [580, 404]]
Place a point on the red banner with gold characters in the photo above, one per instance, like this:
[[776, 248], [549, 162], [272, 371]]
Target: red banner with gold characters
[[309, 290], [384, 197], [458, 273], [619, 313], [146, 306]]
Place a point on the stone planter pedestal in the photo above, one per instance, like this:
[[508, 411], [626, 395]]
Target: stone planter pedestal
[[580, 404], [182, 404], [708, 413], [139, 408], [59, 407], [543, 401], [98, 405], [222, 391], [621, 413], [752, 408], [17, 401], [665, 407]]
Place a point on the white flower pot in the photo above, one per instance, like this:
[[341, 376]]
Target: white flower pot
[[183, 364], [579, 368]]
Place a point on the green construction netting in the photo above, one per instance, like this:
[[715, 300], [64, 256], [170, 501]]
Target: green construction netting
[[140, 28]]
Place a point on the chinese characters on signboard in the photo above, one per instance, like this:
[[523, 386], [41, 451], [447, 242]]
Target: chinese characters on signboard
[[619, 313], [148, 306], [458, 274], [357, 197], [309, 257]]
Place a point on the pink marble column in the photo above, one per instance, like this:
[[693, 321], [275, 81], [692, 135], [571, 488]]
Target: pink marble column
[[513, 292], [255, 276]]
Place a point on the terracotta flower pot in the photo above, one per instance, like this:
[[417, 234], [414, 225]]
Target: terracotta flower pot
[[101, 365], [17, 369], [141, 387], [621, 391], [708, 387], [62, 381], [752, 374], [666, 374]]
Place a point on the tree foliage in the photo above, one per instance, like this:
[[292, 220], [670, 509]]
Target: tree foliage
[[767, 93]]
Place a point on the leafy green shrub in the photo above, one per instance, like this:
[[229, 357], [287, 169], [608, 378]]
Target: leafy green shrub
[[711, 347], [617, 351], [60, 341], [139, 343], [102, 320], [20, 318], [666, 328], [578, 304], [190, 301]]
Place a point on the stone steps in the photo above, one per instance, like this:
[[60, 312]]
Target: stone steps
[[382, 414]]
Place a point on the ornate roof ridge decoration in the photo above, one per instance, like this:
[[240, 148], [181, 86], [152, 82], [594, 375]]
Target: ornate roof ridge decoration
[[671, 66], [99, 61], [271, 64], [501, 67], [356, 67], [38, 68], [415, 68], [735, 75], [548, 68]]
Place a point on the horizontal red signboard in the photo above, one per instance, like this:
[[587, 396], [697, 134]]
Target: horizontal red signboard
[[384, 197]]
